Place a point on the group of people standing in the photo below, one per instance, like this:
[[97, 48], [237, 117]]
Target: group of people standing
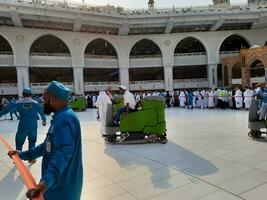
[[205, 98]]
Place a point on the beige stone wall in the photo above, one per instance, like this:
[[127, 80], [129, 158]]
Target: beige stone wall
[[246, 58]]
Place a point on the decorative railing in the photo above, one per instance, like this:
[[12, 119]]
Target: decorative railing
[[113, 10], [6, 60], [146, 62], [229, 52], [197, 80], [147, 82], [145, 56], [101, 63], [6, 53], [49, 54], [46, 84], [63, 4], [191, 54], [100, 56], [50, 61], [8, 84], [101, 83]]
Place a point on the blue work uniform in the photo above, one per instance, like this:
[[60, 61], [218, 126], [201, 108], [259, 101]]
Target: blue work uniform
[[190, 99], [28, 111], [62, 170], [263, 103], [263, 95], [14, 111]]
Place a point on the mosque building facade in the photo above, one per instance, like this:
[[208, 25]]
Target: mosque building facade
[[91, 48]]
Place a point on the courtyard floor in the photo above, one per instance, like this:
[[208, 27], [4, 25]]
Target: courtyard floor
[[208, 157]]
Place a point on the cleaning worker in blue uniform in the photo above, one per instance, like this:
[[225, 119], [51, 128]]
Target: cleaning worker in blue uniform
[[28, 111], [12, 101], [263, 102], [62, 170]]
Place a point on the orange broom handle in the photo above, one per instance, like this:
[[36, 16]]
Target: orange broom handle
[[24, 172]]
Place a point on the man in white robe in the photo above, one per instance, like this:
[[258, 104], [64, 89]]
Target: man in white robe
[[182, 99], [144, 95], [195, 93], [206, 99], [198, 99], [137, 97], [94, 99], [238, 98], [230, 98], [211, 98], [248, 95], [216, 94], [203, 99], [102, 103]]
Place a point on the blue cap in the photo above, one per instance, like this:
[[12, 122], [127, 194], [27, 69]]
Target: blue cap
[[27, 91], [59, 90]]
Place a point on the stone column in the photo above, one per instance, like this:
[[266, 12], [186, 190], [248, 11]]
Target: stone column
[[230, 76], [124, 77], [23, 78], [168, 78], [223, 81], [78, 80], [124, 65], [245, 76], [212, 75]]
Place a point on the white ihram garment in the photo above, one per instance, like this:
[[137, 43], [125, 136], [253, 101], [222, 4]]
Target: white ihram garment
[[211, 99], [102, 103], [238, 99], [182, 99]]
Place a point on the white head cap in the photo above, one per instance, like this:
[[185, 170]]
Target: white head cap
[[123, 87]]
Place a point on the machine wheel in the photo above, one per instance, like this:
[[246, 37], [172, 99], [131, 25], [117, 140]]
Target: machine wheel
[[163, 139], [249, 134], [255, 134], [111, 138], [152, 138]]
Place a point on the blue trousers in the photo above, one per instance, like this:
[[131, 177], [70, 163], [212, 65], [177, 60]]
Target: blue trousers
[[11, 115], [21, 137], [119, 113]]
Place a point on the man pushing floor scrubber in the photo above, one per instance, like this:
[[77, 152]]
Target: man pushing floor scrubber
[[128, 123]]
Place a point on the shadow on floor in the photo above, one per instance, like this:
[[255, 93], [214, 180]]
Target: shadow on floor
[[11, 186], [152, 156]]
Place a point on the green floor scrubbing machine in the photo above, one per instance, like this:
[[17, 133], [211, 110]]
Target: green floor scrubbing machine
[[144, 125], [79, 104]]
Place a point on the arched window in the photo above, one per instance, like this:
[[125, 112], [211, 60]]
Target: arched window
[[49, 45], [189, 45], [100, 47], [257, 69], [145, 48], [234, 43], [5, 47]]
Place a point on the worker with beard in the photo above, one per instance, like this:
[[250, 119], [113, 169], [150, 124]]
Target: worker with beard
[[62, 170]]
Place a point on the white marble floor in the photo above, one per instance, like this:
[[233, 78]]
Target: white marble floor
[[208, 157]]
